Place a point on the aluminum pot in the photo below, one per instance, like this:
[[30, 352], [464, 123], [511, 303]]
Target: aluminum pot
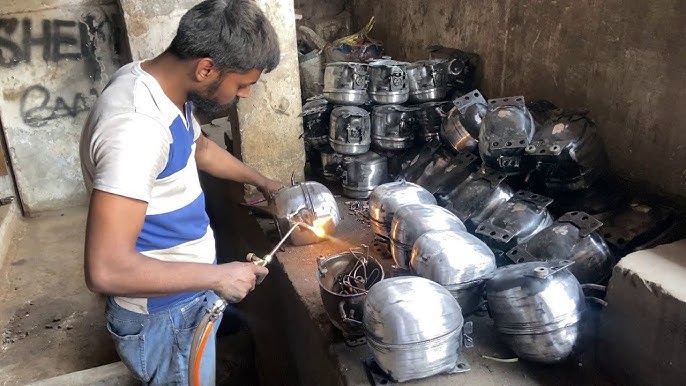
[[430, 117], [350, 130], [394, 127], [316, 116], [307, 202], [427, 80], [413, 220], [386, 199], [388, 82], [515, 222], [478, 197], [458, 261], [345, 310], [537, 309], [364, 173], [506, 130], [413, 327], [461, 126], [572, 237], [345, 83]]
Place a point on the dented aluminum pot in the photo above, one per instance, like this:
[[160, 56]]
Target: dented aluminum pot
[[364, 173], [386, 199], [345, 83], [350, 130], [537, 309], [460, 129], [515, 222], [458, 261], [413, 328], [506, 130], [388, 83], [427, 80], [572, 237], [316, 116], [307, 202], [413, 220], [345, 310], [394, 127], [566, 152], [478, 197], [430, 117]]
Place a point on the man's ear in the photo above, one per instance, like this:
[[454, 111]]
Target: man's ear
[[205, 70]]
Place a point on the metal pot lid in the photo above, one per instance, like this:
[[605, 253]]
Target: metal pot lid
[[534, 297], [413, 220], [408, 310], [452, 258], [386, 199]]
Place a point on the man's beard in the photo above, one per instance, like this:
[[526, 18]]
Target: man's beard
[[208, 105]]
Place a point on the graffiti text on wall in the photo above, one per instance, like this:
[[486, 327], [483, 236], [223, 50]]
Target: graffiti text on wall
[[37, 107], [57, 40]]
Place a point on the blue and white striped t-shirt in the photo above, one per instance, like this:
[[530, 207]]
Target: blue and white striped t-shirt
[[136, 143]]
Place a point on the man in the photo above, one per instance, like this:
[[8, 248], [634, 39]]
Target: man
[[148, 244]]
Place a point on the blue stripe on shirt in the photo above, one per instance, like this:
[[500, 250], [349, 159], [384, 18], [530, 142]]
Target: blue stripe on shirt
[[166, 230], [180, 148]]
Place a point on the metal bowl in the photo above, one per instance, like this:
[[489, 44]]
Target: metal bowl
[[458, 261], [413, 327], [386, 199], [413, 220]]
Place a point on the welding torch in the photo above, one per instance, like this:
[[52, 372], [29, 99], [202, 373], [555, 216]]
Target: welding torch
[[204, 329]]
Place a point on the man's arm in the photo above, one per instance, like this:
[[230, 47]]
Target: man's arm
[[113, 267], [220, 163]]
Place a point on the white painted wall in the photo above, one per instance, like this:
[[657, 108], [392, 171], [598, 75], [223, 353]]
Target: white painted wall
[[55, 58]]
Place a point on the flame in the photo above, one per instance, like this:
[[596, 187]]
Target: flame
[[318, 227]]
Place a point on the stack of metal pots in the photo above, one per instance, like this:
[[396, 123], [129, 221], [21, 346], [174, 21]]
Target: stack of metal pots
[[458, 261], [537, 309], [412, 221], [413, 328], [386, 199]]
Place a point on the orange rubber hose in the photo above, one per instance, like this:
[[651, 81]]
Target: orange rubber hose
[[201, 350]]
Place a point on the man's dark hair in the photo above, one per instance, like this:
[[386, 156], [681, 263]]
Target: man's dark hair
[[235, 34]]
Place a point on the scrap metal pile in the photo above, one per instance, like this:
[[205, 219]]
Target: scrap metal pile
[[494, 203]]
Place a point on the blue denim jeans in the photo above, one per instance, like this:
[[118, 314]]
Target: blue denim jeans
[[155, 347]]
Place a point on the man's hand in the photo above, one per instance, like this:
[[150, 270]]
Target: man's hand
[[236, 280], [268, 187]]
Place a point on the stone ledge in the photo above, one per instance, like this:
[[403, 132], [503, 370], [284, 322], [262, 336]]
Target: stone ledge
[[114, 374]]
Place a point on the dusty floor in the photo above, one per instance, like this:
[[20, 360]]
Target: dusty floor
[[51, 324]]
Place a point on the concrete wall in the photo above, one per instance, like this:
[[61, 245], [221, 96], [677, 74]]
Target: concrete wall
[[330, 19], [624, 60], [55, 58]]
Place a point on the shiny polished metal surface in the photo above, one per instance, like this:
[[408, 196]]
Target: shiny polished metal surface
[[566, 152], [506, 130], [460, 128], [478, 196], [363, 173], [413, 327], [386, 199], [537, 309], [350, 130], [427, 80], [515, 221], [345, 83], [394, 127], [572, 237], [388, 83], [311, 203], [413, 220], [458, 261]]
